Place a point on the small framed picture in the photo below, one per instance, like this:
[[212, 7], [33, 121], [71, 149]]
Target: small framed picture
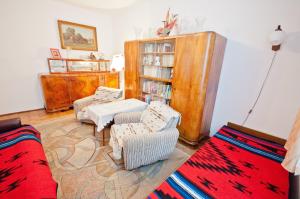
[[55, 53]]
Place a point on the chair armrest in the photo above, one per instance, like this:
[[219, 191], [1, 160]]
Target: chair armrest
[[10, 124], [144, 149], [164, 138], [79, 104], [129, 117]]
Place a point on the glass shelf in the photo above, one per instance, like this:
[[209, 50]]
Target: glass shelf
[[77, 65], [156, 69]]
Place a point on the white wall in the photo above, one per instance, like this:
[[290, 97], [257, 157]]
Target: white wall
[[28, 30], [247, 25]]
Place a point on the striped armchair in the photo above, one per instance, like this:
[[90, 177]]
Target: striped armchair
[[143, 138]]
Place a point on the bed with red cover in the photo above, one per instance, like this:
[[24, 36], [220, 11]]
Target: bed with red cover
[[232, 165], [24, 170]]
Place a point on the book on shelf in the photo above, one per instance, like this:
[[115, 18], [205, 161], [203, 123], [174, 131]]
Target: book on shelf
[[149, 48], [165, 60], [157, 89], [158, 72], [148, 98], [158, 47]]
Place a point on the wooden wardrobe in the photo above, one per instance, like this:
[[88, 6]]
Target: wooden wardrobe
[[193, 63]]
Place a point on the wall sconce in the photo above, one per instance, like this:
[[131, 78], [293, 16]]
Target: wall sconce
[[276, 38]]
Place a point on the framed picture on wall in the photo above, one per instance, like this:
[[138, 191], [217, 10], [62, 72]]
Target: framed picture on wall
[[77, 36], [55, 53]]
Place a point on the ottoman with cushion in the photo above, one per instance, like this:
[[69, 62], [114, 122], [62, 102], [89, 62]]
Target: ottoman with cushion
[[102, 95]]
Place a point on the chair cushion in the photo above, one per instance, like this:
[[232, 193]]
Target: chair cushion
[[153, 120], [107, 94], [130, 129], [158, 116]]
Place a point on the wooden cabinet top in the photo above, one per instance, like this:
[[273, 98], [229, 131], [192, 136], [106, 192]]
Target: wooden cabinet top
[[81, 60], [171, 37], [76, 74]]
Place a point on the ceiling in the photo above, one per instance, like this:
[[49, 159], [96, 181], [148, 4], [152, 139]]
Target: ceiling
[[102, 4]]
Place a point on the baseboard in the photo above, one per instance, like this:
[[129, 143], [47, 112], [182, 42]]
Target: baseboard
[[7, 114]]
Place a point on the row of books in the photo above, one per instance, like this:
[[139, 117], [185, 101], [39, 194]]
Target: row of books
[[158, 47], [148, 98], [158, 72], [165, 60], [157, 88]]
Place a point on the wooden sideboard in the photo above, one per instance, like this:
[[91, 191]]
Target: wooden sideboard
[[62, 89]]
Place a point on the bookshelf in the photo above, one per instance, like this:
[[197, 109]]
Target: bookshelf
[[156, 79], [182, 71], [156, 70]]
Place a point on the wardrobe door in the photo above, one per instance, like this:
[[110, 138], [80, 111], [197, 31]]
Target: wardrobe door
[[81, 86], [188, 93], [56, 93], [131, 69]]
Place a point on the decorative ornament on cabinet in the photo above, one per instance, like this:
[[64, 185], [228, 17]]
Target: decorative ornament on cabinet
[[169, 24]]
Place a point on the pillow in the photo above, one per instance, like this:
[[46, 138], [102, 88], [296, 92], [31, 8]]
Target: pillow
[[159, 116], [107, 94], [153, 120]]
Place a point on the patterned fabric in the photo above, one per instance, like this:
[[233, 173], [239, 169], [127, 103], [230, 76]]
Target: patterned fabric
[[145, 137], [102, 95], [107, 94], [229, 165], [158, 115], [103, 114], [123, 131], [24, 170], [129, 117], [153, 120]]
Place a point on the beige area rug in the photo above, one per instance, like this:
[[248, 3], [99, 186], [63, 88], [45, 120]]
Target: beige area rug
[[84, 170]]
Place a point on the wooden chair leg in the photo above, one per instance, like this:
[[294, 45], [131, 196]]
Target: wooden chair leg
[[94, 129], [103, 137]]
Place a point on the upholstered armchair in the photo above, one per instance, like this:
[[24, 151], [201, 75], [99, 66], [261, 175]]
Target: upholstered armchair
[[142, 138], [102, 95]]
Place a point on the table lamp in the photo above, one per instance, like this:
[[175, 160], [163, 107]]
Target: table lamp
[[117, 63]]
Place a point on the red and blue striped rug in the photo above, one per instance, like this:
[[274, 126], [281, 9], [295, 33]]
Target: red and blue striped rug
[[229, 165]]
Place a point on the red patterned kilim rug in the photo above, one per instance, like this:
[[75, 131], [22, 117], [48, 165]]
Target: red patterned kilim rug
[[24, 170], [230, 165]]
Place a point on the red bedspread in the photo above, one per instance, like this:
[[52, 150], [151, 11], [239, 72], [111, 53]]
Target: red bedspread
[[24, 170], [229, 165]]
